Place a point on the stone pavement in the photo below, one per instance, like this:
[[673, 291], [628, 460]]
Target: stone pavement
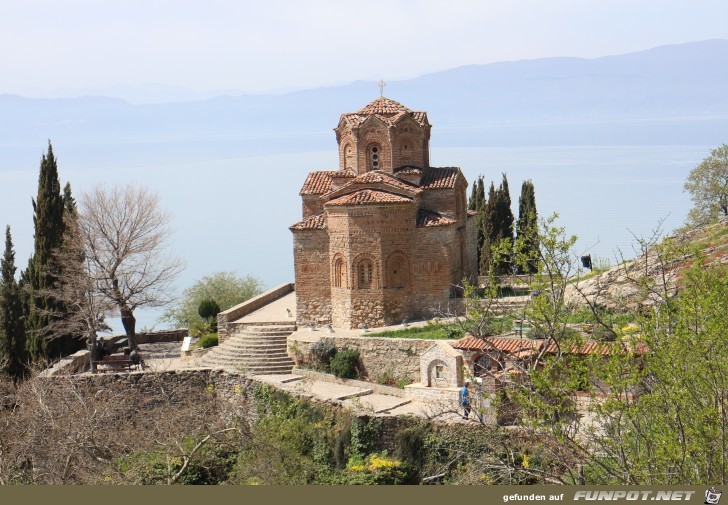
[[281, 310], [359, 399], [166, 356]]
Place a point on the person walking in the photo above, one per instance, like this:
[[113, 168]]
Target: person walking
[[465, 400]]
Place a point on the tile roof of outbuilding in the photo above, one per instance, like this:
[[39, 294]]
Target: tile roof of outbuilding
[[368, 197], [316, 222], [509, 345], [517, 345]]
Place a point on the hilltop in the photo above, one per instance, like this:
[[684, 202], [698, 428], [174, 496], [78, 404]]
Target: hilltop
[[623, 285]]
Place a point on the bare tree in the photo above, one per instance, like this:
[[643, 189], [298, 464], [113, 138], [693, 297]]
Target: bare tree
[[125, 235], [85, 307]]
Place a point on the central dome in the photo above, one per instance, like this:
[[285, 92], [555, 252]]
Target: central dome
[[383, 106]]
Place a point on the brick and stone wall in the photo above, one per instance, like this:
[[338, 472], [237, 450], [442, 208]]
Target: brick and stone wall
[[396, 358]]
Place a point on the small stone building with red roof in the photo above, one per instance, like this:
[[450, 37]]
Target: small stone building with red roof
[[386, 237]]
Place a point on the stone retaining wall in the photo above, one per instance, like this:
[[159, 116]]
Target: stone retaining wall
[[381, 357]]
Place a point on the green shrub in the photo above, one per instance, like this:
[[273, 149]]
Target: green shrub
[[209, 340], [208, 308], [322, 352], [345, 364]]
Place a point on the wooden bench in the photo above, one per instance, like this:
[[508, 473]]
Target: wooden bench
[[116, 362]]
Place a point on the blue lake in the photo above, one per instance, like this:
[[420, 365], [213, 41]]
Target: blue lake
[[233, 212]]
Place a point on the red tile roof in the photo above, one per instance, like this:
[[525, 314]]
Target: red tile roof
[[384, 106], [518, 345], [368, 197], [472, 213], [316, 222], [386, 110], [509, 345], [344, 173], [317, 183], [408, 170], [426, 218], [377, 176], [439, 177]]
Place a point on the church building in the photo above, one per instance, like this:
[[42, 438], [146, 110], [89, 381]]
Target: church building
[[386, 237]]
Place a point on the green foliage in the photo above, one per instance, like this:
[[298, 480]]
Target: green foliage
[[322, 352], [708, 187], [674, 430], [432, 330], [410, 442], [365, 435], [209, 340], [496, 223], [211, 464], [345, 364], [12, 328], [227, 289], [527, 245], [43, 269], [208, 308]]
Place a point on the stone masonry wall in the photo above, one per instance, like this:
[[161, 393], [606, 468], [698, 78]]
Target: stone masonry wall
[[398, 358]]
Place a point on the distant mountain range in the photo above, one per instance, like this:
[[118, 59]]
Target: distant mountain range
[[669, 94]]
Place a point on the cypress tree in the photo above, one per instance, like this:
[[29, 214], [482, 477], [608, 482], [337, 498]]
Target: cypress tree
[[527, 244], [478, 207], [504, 225], [488, 228], [473, 197], [12, 327], [69, 203], [42, 272], [480, 195]]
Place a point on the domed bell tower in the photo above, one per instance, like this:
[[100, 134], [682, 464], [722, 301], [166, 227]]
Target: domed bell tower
[[383, 135]]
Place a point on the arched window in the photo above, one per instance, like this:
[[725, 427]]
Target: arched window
[[349, 157], [365, 274], [397, 271], [375, 153], [339, 273]]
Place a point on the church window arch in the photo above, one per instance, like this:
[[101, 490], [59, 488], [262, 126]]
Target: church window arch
[[364, 272], [397, 271], [339, 272], [374, 156], [349, 155]]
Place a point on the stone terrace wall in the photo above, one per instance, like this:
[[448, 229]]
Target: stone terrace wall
[[397, 357]]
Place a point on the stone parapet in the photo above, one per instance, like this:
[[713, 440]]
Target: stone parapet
[[227, 317]]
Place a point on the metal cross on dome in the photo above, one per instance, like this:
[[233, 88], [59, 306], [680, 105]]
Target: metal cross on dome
[[381, 85]]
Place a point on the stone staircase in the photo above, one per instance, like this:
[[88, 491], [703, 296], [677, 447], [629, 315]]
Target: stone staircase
[[257, 348]]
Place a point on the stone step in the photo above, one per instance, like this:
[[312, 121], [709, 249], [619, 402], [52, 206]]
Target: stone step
[[268, 329], [242, 359], [264, 324], [258, 370], [252, 359], [280, 339], [258, 336], [241, 344]]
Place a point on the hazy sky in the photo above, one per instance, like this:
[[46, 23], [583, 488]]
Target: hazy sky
[[48, 46]]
